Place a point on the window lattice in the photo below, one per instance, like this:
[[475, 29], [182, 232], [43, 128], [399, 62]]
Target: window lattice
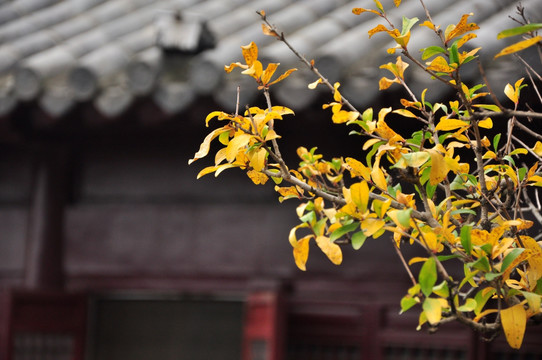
[[41, 346]]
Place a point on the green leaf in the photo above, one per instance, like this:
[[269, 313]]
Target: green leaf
[[496, 140], [457, 183], [430, 189], [519, 30], [465, 239], [442, 289], [446, 257], [482, 298], [508, 259], [379, 6], [428, 276], [492, 276], [404, 217], [538, 288], [309, 217], [533, 300], [487, 106], [407, 302], [224, 138], [510, 160], [367, 115], [481, 264], [454, 54], [414, 290], [463, 211], [488, 248], [431, 51], [521, 173], [408, 24], [345, 229], [318, 227], [469, 305], [469, 275], [358, 239], [373, 151]]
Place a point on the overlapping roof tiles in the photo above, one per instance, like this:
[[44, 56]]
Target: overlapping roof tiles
[[109, 53]]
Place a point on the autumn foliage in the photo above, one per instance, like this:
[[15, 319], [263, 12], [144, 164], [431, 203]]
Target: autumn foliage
[[459, 191]]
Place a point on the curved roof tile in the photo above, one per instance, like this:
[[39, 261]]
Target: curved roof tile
[[105, 53]]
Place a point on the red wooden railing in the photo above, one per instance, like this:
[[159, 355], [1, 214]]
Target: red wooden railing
[[42, 325]]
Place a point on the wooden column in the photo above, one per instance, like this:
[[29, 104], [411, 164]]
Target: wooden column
[[264, 324], [44, 248]]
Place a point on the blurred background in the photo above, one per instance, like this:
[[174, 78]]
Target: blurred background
[[110, 248]]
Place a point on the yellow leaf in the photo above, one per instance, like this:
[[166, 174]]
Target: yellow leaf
[[417, 159], [359, 193], [235, 144], [464, 39], [405, 113], [397, 3], [446, 124], [292, 237], [382, 129], [313, 85], [257, 159], [519, 46], [511, 93], [255, 70], [439, 64], [336, 94], [370, 143], [250, 53], [439, 168], [514, 320], [501, 247], [282, 77], [287, 191], [428, 24], [356, 168], [385, 83], [229, 68], [402, 40], [378, 178], [538, 148], [217, 169], [330, 249], [487, 123], [484, 313], [266, 29], [535, 260], [257, 177], [432, 241], [268, 73], [220, 114], [344, 116], [461, 28], [206, 144], [416, 259], [371, 226], [432, 309], [358, 11], [301, 252], [377, 29]]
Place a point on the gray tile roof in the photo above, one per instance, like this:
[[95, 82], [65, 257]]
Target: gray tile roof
[[109, 53]]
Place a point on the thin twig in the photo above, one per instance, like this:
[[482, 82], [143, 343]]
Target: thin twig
[[403, 261]]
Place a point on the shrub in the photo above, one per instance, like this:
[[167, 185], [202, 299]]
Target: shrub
[[422, 188]]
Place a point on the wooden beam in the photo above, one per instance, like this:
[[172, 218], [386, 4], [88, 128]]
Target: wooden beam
[[44, 255]]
